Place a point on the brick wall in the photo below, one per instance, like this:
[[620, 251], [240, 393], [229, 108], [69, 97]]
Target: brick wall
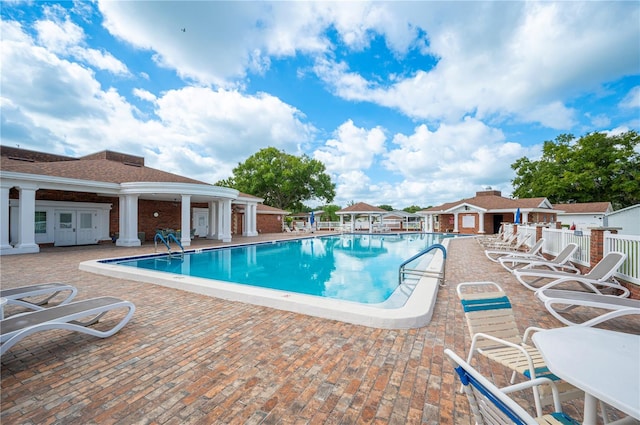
[[268, 223], [468, 230]]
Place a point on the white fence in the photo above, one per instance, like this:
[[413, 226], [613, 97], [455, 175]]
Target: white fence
[[556, 239], [630, 245]]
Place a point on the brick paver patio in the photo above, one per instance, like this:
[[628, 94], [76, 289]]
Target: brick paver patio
[[190, 359]]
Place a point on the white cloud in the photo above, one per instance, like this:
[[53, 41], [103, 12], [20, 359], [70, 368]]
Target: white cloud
[[512, 60], [353, 148], [144, 95], [632, 99], [197, 132], [451, 162], [61, 36]]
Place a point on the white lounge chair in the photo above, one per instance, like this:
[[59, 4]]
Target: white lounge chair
[[288, 230], [600, 277], [501, 236], [31, 296], [507, 243], [561, 262], [68, 316], [496, 254], [559, 301], [492, 405], [495, 335]]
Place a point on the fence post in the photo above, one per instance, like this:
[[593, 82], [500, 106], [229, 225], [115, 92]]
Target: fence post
[[597, 243]]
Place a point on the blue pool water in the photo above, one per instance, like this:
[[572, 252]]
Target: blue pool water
[[360, 268]]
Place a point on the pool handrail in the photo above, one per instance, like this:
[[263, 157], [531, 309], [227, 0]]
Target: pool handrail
[[402, 271], [166, 241]]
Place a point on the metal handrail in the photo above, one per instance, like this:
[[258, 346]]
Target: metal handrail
[[402, 271], [166, 241]]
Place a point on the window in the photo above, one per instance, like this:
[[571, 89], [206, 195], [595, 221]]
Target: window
[[66, 221], [85, 221], [469, 221], [41, 222]]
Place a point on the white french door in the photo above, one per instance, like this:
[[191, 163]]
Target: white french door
[[75, 228], [65, 233]]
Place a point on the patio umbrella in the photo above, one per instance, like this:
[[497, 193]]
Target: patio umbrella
[[312, 218], [517, 220]]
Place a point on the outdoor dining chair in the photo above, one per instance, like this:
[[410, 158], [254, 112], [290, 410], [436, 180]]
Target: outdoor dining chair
[[495, 335], [492, 405]]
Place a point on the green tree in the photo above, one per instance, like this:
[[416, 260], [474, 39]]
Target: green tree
[[594, 168], [412, 209], [284, 181], [330, 212], [386, 207]]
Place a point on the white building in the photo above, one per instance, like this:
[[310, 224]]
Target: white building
[[583, 215], [627, 218]]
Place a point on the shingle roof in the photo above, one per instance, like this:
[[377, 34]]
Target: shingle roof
[[102, 170], [584, 207], [266, 209], [490, 201], [361, 207], [105, 166]]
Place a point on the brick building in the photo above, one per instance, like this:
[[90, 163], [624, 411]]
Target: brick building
[[485, 212], [60, 200]]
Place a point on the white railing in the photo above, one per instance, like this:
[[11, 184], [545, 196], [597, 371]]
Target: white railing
[[413, 225], [327, 225], [630, 245], [556, 239], [523, 231]]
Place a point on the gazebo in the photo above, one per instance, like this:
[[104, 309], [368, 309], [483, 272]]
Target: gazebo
[[361, 209]]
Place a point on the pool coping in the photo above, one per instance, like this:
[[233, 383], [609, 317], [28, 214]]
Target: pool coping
[[415, 313]]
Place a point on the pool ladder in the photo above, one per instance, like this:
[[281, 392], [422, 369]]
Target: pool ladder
[[166, 241], [403, 271]]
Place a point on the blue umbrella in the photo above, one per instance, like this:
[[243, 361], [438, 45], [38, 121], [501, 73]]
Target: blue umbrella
[[312, 218], [517, 220]]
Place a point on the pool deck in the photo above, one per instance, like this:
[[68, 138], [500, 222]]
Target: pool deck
[[187, 358]]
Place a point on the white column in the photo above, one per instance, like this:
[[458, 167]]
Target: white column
[[525, 217], [455, 222], [185, 222], [219, 220], [4, 220], [27, 221], [251, 213], [213, 223], [246, 220], [481, 224], [225, 231], [128, 221]]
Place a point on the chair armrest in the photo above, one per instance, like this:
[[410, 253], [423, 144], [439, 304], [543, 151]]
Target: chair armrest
[[531, 330], [557, 407]]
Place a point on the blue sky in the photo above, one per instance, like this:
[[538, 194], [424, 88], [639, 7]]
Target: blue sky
[[406, 103]]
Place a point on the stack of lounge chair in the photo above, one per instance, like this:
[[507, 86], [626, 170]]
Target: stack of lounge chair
[[70, 315]]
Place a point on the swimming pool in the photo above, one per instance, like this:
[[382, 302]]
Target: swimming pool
[[352, 278]]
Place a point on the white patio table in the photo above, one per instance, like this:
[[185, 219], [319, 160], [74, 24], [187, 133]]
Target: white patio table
[[604, 364]]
